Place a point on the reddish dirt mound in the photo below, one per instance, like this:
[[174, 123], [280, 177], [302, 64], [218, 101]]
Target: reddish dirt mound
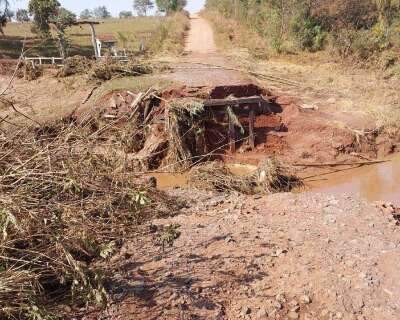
[[282, 128]]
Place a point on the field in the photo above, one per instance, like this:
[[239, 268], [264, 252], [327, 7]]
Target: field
[[129, 33]]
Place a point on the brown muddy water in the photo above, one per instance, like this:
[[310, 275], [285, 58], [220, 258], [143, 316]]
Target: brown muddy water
[[378, 182]]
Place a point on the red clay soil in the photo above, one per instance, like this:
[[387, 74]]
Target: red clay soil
[[286, 256], [288, 132]]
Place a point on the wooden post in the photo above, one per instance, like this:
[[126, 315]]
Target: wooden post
[[231, 134], [252, 119], [96, 53]]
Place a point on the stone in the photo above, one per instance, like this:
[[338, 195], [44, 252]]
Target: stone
[[280, 298], [329, 219], [324, 314], [305, 299], [245, 311], [278, 305], [139, 287], [293, 303], [293, 315], [262, 314]]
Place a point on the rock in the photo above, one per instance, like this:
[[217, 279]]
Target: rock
[[329, 219], [139, 287], [280, 298], [262, 314], [245, 311], [293, 315], [324, 315], [294, 306], [293, 303], [305, 299], [229, 239], [278, 305]]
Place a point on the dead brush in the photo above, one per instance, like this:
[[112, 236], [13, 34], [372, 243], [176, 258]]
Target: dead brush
[[65, 207], [184, 123], [270, 177], [109, 68]]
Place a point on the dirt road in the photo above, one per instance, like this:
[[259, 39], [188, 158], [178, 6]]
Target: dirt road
[[197, 67], [200, 38], [288, 256]]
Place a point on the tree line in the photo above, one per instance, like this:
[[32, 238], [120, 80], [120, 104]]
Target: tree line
[[361, 26], [141, 7]]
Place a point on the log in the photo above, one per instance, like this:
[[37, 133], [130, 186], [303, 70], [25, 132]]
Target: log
[[335, 164], [231, 135], [252, 119]]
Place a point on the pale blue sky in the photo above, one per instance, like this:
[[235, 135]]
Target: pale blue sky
[[114, 6]]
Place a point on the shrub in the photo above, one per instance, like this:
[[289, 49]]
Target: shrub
[[308, 32]]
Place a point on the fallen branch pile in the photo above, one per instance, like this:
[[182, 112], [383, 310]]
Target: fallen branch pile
[[271, 177], [66, 204]]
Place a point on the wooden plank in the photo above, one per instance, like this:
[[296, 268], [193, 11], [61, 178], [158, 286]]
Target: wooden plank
[[238, 101], [252, 120], [231, 135]]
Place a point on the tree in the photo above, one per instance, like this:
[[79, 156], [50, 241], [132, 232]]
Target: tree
[[86, 14], [61, 22], [169, 6], [3, 14], [10, 14], [142, 6], [101, 12], [43, 12], [47, 13], [125, 14], [22, 15]]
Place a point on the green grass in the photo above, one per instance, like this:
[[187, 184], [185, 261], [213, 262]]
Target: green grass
[[129, 33]]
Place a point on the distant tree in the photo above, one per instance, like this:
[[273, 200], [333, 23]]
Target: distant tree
[[49, 13], [86, 14], [169, 6], [61, 22], [101, 12], [43, 12], [10, 14], [3, 14], [142, 6], [125, 14], [22, 15]]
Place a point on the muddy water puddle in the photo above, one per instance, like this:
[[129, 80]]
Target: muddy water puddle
[[379, 182], [173, 180]]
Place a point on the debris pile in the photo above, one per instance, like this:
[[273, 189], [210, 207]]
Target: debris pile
[[67, 203], [185, 130], [75, 65], [270, 177], [29, 71], [107, 69]]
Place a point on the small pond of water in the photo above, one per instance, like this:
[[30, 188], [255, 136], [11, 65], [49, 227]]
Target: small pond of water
[[378, 182]]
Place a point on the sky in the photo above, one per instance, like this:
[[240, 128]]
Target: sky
[[114, 6]]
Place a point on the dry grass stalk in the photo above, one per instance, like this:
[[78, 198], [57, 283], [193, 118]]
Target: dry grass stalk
[[184, 123], [271, 177], [67, 202]]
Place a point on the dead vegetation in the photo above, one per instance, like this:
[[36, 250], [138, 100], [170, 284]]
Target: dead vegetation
[[270, 177], [66, 205], [104, 69]]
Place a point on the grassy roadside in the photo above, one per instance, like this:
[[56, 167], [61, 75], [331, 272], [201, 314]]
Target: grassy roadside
[[158, 34]]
